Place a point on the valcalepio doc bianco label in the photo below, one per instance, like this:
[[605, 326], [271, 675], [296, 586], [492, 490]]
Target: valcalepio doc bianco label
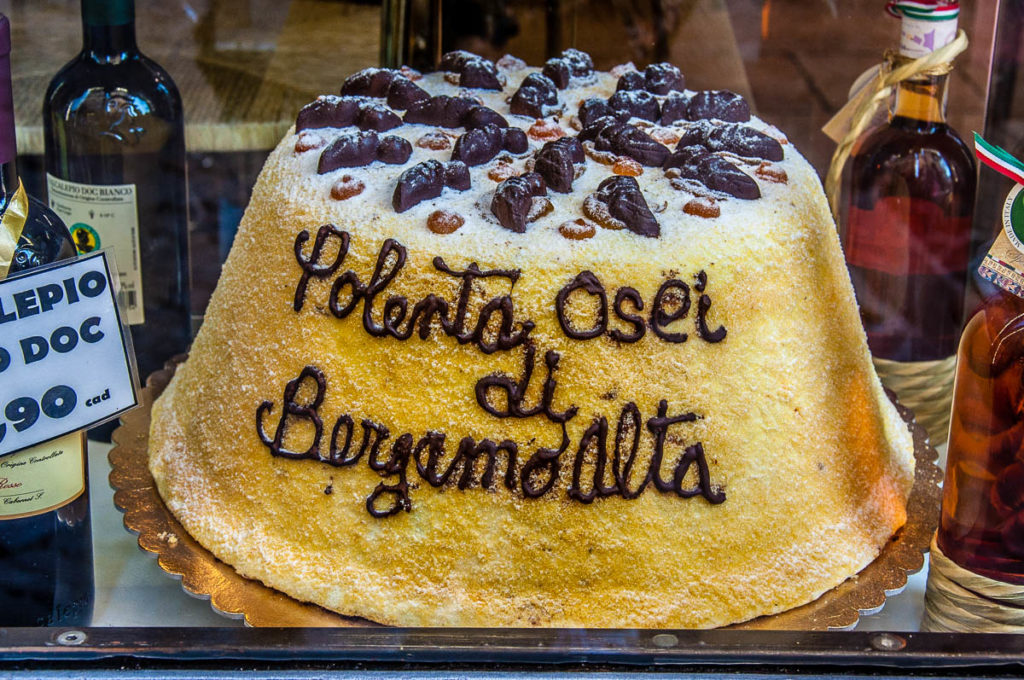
[[105, 216]]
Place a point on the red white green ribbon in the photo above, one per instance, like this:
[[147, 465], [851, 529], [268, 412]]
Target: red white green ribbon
[[925, 11], [998, 159]]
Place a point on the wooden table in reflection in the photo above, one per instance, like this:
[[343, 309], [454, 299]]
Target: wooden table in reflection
[[244, 67]]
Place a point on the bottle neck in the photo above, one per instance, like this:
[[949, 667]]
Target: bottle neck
[[8, 143], [8, 182], [108, 30], [922, 99]]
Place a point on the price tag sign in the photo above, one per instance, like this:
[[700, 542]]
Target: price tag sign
[[64, 358]]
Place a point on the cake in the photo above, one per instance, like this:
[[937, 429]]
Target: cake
[[509, 346]]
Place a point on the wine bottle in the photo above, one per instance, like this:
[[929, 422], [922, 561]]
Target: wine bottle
[[45, 535], [906, 220], [115, 164]]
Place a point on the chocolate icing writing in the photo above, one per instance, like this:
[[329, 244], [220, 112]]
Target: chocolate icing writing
[[694, 455], [515, 391], [433, 444], [390, 261], [469, 451], [639, 328], [384, 273], [466, 456], [597, 434], [629, 423], [659, 425], [537, 476], [717, 335], [660, 318], [506, 337], [543, 459], [310, 266], [339, 457], [590, 283], [479, 461], [671, 292], [374, 435], [292, 408], [702, 281], [396, 464]]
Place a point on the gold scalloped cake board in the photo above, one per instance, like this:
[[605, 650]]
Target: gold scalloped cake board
[[204, 576]]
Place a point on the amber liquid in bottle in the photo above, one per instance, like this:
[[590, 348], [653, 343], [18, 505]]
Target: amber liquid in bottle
[[907, 224], [982, 522]]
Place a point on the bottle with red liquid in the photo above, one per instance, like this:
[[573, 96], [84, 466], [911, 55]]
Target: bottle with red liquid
[[908, 217], [982, 523], [906, 221]]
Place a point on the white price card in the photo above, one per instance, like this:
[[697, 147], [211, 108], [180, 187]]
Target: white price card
[[64, 358]]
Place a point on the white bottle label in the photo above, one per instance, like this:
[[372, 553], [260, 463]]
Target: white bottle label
[[920, 37], [42, 478], [104, 216]]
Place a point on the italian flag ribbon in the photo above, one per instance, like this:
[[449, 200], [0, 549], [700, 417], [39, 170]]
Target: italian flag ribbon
[[926, 11], [998, 159]]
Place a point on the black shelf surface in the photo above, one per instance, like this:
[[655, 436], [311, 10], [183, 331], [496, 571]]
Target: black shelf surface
[[517, 650]]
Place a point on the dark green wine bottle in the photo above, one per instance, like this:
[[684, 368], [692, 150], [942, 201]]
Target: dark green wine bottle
[[115, 164]]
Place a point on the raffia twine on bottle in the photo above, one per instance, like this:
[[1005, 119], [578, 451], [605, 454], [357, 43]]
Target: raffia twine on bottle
[[894, 70], [925, 387], [957, 600]]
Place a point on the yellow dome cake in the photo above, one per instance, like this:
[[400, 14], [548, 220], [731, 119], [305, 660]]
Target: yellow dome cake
[[500, 346]]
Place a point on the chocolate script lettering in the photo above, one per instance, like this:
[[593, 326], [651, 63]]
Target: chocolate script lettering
[[390, 261], [492, 326], [671, 303], [515, 391], [537, 476]]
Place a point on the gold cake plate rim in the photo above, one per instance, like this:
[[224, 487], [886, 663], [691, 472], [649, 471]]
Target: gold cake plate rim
[[204, 576]]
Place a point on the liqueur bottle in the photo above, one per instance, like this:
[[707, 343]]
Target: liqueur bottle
[[907, 217], [45, 535], [982, 522], [115, 164]]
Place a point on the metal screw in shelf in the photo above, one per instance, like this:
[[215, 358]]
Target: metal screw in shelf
[[71, 638], [887, 642], [665, 640]]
